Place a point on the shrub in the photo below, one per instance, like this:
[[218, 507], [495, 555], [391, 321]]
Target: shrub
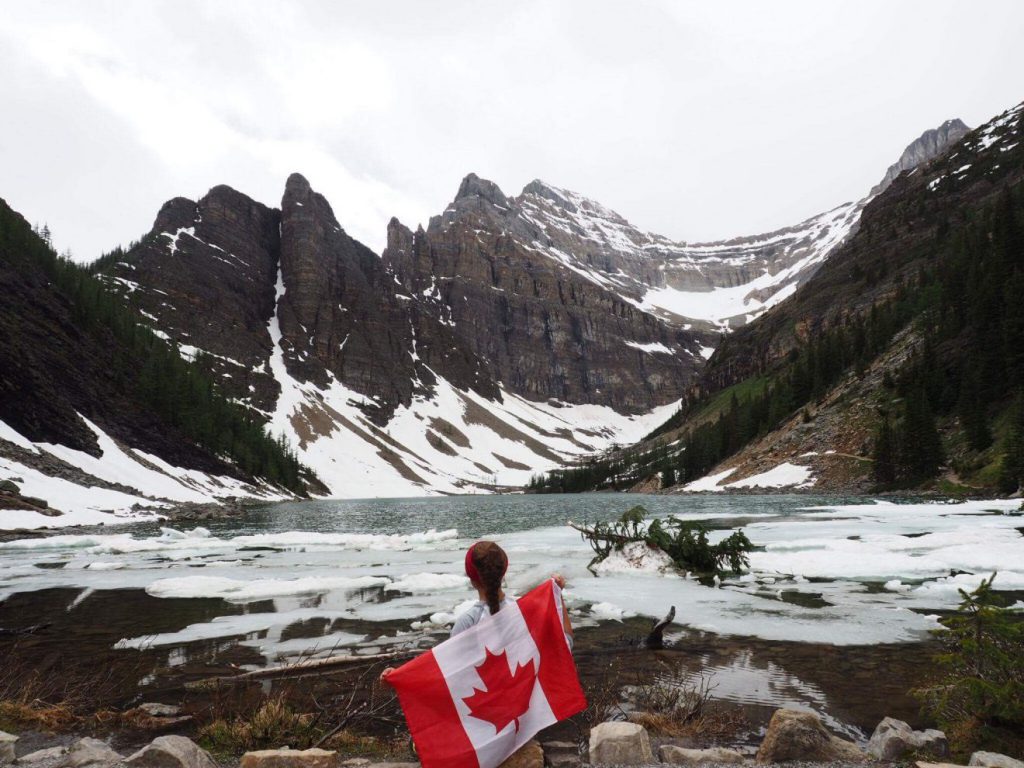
[[684, 541], [980, 693]]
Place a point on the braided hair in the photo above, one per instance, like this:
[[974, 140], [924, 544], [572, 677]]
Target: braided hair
[[486, 566]]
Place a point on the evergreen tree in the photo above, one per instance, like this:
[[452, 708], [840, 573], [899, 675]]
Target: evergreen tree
[[1011, 473], [920, 445], [885, 453], [972, 413]]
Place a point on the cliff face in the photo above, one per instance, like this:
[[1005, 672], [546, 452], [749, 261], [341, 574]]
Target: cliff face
[[458, 360], [544, 330], [920, 303], [204, 277], [509, 336], [927, 146]]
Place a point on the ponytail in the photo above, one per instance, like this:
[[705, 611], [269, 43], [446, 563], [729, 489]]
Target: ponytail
[[486, 564]]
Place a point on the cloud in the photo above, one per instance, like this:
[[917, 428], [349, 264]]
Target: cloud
[[694, 120]]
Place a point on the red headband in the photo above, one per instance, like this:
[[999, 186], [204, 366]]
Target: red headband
[[471, 571]]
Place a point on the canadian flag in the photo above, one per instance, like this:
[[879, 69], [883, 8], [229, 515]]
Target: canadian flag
[[473, 700]]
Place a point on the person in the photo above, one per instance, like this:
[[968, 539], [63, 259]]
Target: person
[[486, 564]]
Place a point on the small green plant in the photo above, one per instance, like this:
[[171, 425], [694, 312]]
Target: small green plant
[[979, 697], [684, 541]]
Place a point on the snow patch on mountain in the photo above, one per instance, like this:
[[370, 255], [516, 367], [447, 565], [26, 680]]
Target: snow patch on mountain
[[119, 486], [785, 475], [445, 441]]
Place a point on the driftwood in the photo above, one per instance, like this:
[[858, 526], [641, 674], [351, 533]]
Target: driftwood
[[24, 631], [307, 666], [655, 639]]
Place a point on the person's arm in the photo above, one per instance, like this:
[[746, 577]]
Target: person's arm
[[559, 579]]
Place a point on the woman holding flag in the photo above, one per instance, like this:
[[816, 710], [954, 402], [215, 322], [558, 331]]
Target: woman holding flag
[[505, 673]]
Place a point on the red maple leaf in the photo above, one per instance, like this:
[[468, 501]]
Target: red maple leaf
[[505, 697]]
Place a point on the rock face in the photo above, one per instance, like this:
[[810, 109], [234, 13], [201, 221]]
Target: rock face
[[171, 752], [893, 739], [615, 743], [205, 276], [795, 735], [545, 330], [386, 380], [927, 146]]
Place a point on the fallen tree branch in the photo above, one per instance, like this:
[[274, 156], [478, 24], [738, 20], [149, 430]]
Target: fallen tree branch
[[590, 533], [297, 668]]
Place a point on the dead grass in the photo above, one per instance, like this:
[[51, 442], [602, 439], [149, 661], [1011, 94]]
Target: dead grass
[[272, 725], [60, 699], [679, 707]]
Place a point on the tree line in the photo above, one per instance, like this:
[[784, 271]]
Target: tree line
[[966, 302]]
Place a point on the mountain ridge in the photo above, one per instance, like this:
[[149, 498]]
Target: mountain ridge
[[510, 336], [808, 387]]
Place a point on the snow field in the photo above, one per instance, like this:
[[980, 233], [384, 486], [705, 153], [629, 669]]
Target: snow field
[[153, 481]]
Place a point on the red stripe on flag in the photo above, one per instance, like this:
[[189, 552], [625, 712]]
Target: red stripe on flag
[[433, 721], [557, 673]]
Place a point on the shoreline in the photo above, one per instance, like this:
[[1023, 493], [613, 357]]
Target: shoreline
[[230, 507]]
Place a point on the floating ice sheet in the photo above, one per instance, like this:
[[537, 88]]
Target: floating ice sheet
[[844, 574]]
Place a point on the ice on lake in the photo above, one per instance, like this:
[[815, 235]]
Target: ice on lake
[[837, 573]]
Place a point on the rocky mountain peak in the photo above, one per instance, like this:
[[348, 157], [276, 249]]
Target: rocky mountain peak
[[925, 147], [474, 187], [297, 184], [549, 192]]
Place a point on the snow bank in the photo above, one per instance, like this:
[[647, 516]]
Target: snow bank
[[785, 475], [708, 483], [153, 481], [635, 556]]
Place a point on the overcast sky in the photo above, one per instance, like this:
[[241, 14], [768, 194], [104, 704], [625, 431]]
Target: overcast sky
[[697, 121]]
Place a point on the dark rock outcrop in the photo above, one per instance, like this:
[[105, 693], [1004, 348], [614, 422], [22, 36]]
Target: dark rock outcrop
[[544, 330], [54, 369], [204, 276]]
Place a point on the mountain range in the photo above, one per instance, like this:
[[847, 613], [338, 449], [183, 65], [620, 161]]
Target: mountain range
[[509, 337]]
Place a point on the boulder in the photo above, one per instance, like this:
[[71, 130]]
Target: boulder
[[530, 755], [50, 756], [932, 741], [926, 764], [156, 709], [994, 760], [795, 735], [615, 743], [290, 758], [894, 738], [561, 754], [670, 753], [7, 742], [90, 752], [171, 752]]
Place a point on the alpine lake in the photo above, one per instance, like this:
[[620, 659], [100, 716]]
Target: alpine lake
[[834, 615]]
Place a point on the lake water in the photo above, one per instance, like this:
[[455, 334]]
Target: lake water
[[836, 587]]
